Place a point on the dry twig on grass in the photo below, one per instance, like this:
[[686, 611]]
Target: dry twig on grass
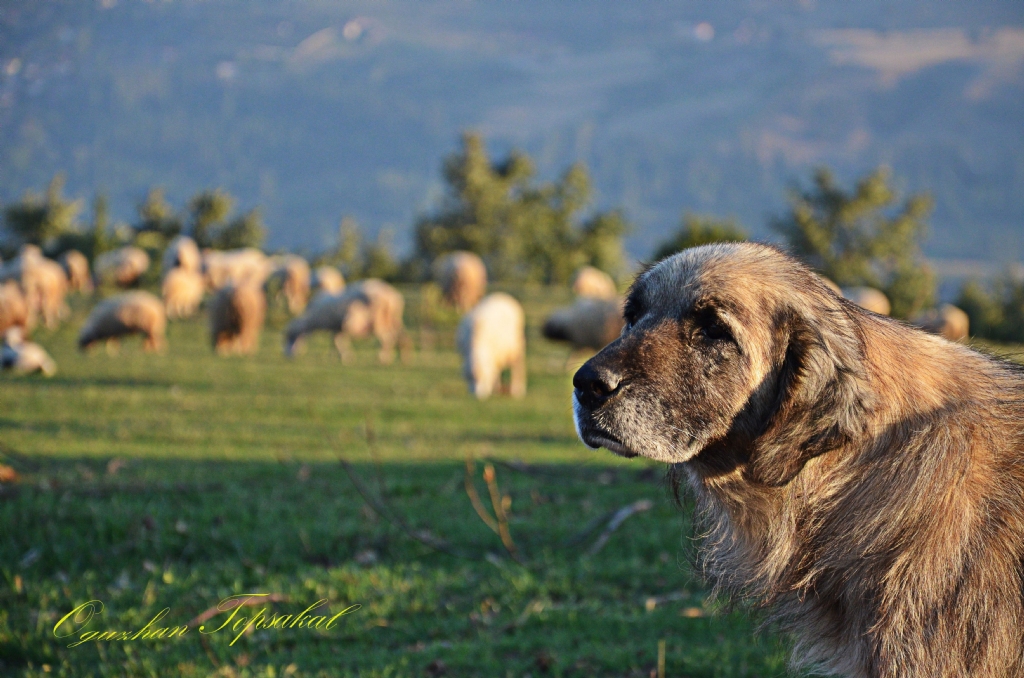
[[617, 520], [500, 503]]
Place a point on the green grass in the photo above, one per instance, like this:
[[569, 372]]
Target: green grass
[[176, 480]]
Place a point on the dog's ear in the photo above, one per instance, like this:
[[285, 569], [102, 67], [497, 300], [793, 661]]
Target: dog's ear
[[820, 396]]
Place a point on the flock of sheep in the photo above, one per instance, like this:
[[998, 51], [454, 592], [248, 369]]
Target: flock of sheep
[[491, 336]]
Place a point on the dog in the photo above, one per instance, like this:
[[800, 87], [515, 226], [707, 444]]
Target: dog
[[861, 480]]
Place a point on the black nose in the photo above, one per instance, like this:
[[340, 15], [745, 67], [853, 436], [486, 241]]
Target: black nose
[[595, 384]]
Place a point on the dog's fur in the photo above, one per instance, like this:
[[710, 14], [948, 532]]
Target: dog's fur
[[861, 479]]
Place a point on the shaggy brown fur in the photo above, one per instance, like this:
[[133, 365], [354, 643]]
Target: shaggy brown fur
[[860, 478], [236, 319], [123, 315]]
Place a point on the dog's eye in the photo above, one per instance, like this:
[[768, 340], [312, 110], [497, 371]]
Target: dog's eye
[[716, 331]]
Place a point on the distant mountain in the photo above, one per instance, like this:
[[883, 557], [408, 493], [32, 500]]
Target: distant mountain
[[315, 109]]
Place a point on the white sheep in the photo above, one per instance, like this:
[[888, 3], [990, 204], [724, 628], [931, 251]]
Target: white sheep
[[492, 338], [293, 272], [123, 266], [235, 267], [182, 290], [123, 315], [595, 283], [328, 280], [25, 357], [13, 307], [236, 318], [76, 266], [947, 321], [43, 283], [588, 324], [365, 308], [181, 253], [462, 277]]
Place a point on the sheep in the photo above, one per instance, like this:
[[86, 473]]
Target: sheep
[[492, 338], [947, 321], [588, 325], [236, 318], [181, 253], [76, 266], [868, 298], [123, 266], [328, 280], [294, 274], [462, 277], [182, 290], [25, 357], [42, 282], [594, 283], [13, 307], [234, 267], [122, 315], [364, 308]]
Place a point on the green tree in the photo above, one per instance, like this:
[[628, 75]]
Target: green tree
[[700, 229], [378, 259], [246, 230], [208, 211], [42, 219], [863, 237], [157, 216], [348, 255], [996, 313], [524, 231]]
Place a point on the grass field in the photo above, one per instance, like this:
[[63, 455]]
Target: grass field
[[177, 480]]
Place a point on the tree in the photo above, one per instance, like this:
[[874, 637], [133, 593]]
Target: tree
[[41, 219], [378, 259], [698, 229], [860, 238], [208, 210], [157, 216], [524, 231], [996, 313], [246, 230]]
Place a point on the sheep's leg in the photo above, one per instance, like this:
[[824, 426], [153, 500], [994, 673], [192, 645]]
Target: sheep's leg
[[344, 346], [517, 387], [387, 349], [405, 348]]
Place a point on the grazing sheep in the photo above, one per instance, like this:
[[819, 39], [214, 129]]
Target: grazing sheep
[[76, 266], [14, 310], [947, 321], [46, 285], [492, 338], [368, 307], [328, 280], [236, 318], [587, 324], [235, 267], [293, 271], [462, 277], [42, 282], [595, 283], [123, 315], [868, 298], [123, 266], [25, 357], [182, 253], [182, 291]]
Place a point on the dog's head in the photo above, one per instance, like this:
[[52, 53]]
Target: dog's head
[[733, 353]]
